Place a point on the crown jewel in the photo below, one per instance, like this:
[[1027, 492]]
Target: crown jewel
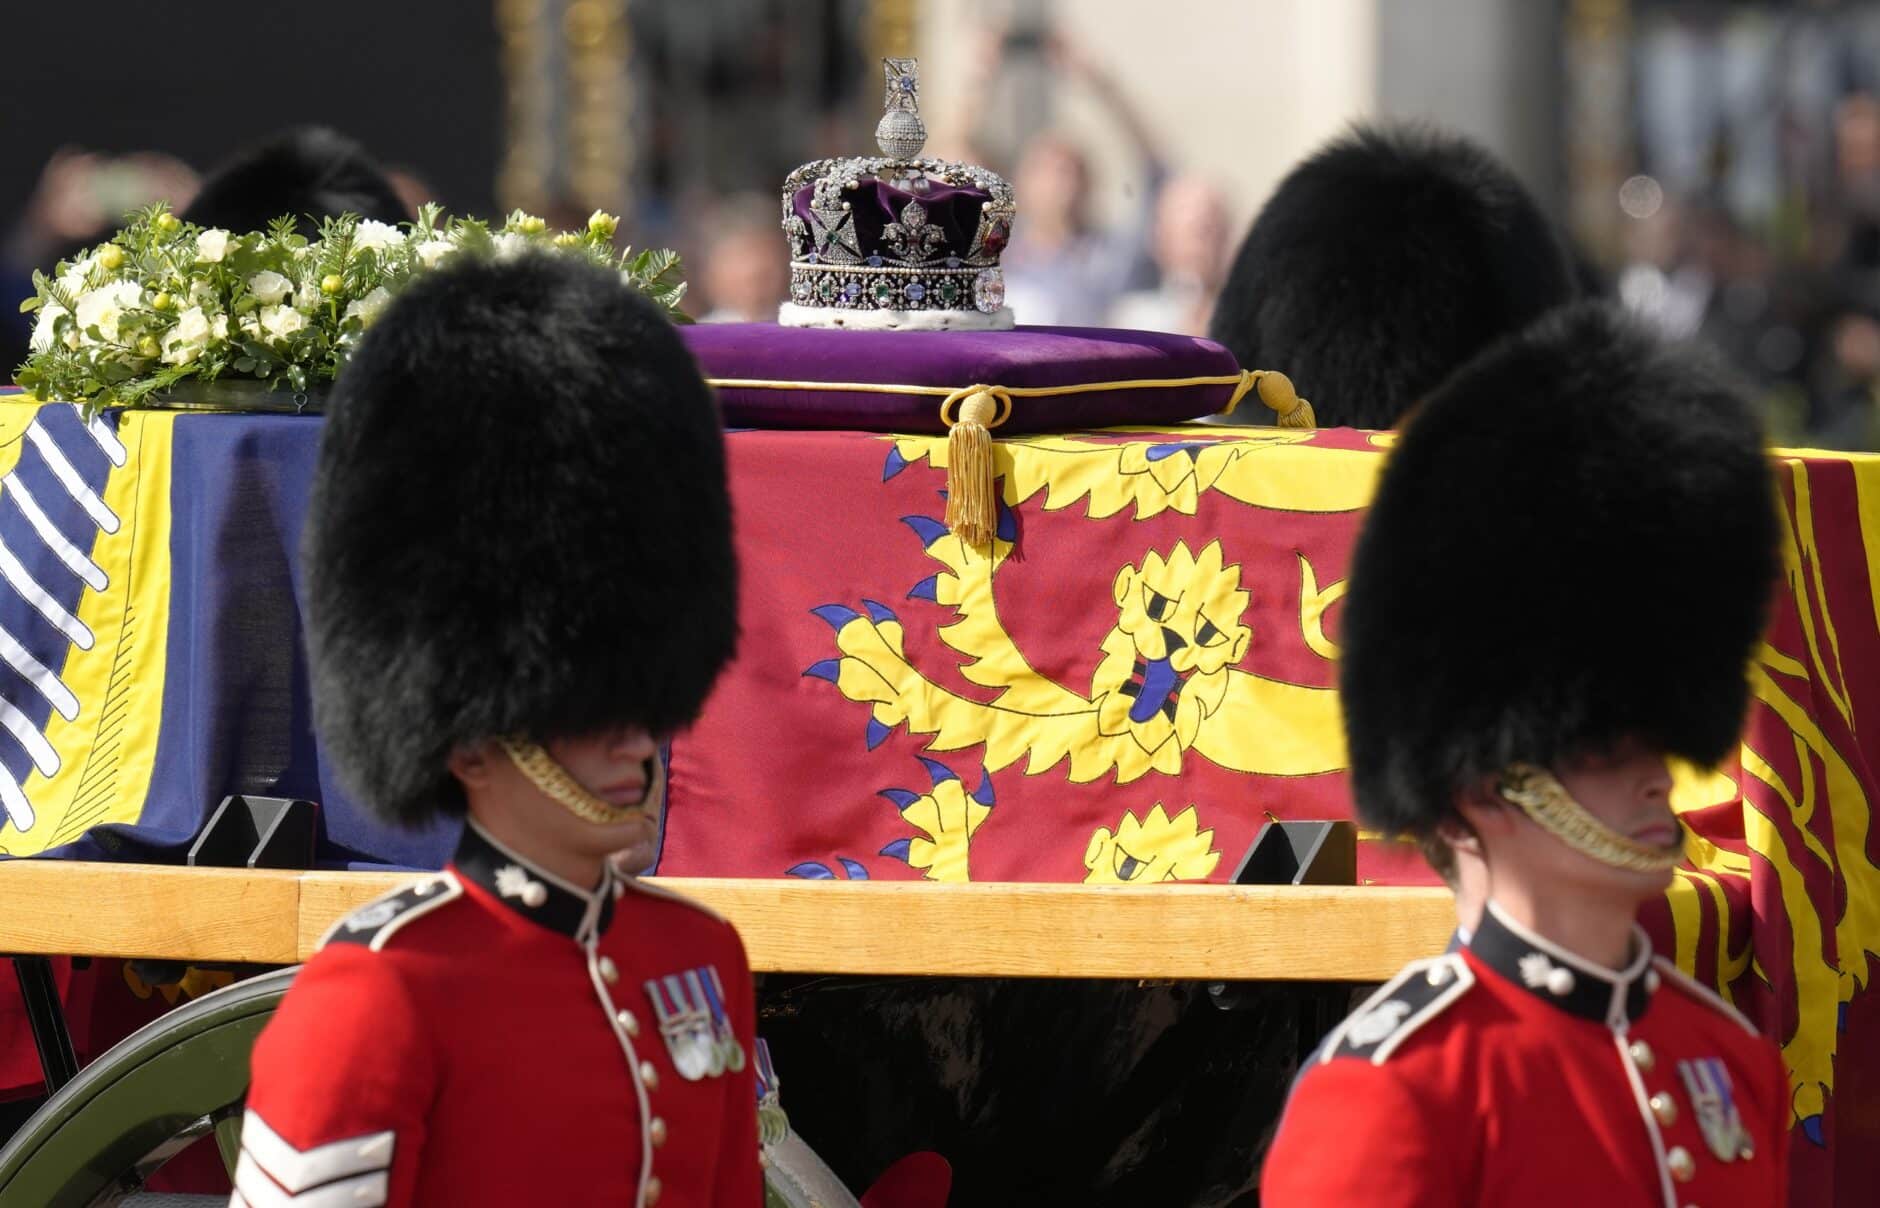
[[898, 240]]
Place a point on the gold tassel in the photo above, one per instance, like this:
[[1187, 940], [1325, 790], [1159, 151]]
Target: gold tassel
[[972, 509], [1276, 391]]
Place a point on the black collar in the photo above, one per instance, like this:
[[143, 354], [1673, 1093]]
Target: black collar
[[531, 891], [1577, 986]]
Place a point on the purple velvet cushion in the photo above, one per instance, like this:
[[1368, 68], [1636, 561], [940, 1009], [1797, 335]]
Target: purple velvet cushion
[[1024, 356]]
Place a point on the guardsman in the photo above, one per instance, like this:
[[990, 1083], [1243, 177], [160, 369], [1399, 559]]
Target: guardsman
[[520, 580], [1557, 589], [1380, 265]]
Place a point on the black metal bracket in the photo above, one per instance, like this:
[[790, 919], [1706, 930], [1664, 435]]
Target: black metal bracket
[[1298, 853], [1301, 853], [58, 1063], [243, 832], [257, 832]]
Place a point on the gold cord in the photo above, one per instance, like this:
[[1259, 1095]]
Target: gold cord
[[952, 395], [1544, 799], [564, 790]]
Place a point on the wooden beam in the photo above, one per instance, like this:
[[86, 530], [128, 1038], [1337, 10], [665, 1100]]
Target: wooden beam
[[60, 907], [1214, 932]]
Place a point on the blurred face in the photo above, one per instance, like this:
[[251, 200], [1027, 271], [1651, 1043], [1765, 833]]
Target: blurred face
[[1628, 789], [1857, 346], [1857, 136], [746, 273], [1191, 231], [621, 767], [1054, 181]]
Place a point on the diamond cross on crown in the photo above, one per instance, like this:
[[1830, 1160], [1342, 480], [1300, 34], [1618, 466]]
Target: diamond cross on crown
[[901, 134]]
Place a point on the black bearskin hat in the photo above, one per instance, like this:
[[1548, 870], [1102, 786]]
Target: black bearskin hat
[[1380, 265], [307, 173], [1573, 544], [519, 526]]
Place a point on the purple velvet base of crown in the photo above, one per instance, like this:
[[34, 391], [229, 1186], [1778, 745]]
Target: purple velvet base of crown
[[1024, 356], [952, 210]]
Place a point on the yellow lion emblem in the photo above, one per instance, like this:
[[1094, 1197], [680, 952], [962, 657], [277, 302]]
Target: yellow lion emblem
[[1158, 848], [1166, 683]]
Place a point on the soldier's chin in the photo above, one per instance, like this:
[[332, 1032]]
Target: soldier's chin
[[638, 858]]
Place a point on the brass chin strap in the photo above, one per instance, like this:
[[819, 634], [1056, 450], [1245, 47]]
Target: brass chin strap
[[1544, 799], [564, 790]]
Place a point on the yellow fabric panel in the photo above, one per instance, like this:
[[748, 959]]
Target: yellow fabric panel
[[106, 753], [14, 418]]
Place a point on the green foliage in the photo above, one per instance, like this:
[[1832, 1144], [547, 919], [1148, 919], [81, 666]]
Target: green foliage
[[164, 301]]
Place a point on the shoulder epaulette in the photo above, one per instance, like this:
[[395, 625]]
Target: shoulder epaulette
[[637, 885], [1674, 976], [378, 920], [1401, 1005]]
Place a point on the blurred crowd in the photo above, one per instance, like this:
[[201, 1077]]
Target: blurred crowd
[[1752, 222]]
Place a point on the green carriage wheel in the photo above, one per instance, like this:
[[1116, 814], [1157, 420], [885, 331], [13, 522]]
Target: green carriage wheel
[[173, 1080], [182, 1077]]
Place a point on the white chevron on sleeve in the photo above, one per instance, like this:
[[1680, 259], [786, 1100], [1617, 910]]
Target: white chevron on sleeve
[[360, 1191], [280, 1173]]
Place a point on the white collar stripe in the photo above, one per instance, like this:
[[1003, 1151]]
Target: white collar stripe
[[536, 870], [1631, 973]]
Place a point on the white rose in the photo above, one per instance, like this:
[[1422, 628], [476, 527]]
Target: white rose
[[270, 287], [49, 314], [185, 341], [377, 236], [200, 292], [279, 322], [367, 308], [74, 278], [307, 297], [509, 245], [432, 251], [212, 245], [102, 307]]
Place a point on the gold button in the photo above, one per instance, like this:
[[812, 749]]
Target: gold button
[[652, 1191], [610, 972], [628, 1023], [1642, 1056], [1683, 1168], [1665, 1108], [1747, 1152], [657, 1130], [649, 1076]]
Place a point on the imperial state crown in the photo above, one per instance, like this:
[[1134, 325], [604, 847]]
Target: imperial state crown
[[897, 241]]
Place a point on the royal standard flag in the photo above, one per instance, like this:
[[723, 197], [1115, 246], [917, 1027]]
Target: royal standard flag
[[1133, 676]]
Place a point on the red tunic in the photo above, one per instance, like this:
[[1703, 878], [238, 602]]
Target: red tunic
[[494, 1036], [1514, 1073]]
